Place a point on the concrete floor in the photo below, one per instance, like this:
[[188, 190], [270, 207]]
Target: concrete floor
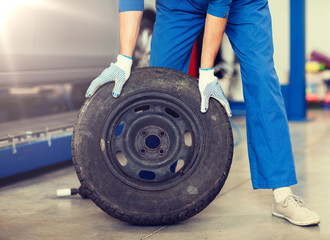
[[30, 210]]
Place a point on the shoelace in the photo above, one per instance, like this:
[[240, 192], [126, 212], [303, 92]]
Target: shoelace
[[297, 201]]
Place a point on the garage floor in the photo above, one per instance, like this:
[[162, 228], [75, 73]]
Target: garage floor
[[29, 209]]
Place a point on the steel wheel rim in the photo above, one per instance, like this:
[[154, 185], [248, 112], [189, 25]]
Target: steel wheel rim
[[145, 140]]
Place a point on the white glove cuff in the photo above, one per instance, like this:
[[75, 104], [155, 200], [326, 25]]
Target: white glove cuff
[[206, 76], [124, 63]]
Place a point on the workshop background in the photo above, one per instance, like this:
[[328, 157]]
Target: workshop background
[[50, 50]]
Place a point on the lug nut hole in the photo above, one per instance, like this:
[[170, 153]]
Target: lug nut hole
[[162, 134], [144, 133], [143, 150]]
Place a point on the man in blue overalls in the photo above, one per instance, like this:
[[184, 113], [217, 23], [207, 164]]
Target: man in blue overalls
[[248, 26]]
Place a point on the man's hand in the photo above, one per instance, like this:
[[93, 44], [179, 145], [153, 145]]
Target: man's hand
[[209, 87], [118, 73]]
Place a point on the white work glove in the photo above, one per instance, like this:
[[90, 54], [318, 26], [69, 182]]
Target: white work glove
[[210, 87], [118, 72]]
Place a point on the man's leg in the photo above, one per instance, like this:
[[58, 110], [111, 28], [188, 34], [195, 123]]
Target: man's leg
[[178, 23], [271, 160], [269, 145]]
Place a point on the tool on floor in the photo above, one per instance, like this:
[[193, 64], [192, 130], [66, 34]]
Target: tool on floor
[[65, 192]]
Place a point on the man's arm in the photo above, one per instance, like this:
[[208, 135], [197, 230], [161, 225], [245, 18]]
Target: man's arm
[[129, 25], [213, 33], [130, 15], [208, 83]]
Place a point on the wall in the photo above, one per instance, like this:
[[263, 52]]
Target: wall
[[317, 31]]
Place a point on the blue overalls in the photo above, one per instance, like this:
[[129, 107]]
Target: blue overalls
[[178, 23]]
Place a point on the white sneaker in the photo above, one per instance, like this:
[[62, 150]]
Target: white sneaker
[[295, 211]]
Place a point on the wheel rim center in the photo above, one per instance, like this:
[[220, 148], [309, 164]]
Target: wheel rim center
[[152, 142]]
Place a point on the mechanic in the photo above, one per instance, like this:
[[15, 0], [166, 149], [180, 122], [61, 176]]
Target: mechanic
[[248, 26]]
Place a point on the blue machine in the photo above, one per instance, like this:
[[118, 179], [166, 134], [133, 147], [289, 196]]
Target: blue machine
[[34, 143]]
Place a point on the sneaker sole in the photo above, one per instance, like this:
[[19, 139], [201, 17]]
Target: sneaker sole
[[307, 223]]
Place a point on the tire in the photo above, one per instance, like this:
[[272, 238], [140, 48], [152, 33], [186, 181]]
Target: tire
[[150, 157]]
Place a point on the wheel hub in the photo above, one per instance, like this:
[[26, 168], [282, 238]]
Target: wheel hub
[[152, 142]]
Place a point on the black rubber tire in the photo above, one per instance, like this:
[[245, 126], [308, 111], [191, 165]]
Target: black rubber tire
[[189, 194]]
